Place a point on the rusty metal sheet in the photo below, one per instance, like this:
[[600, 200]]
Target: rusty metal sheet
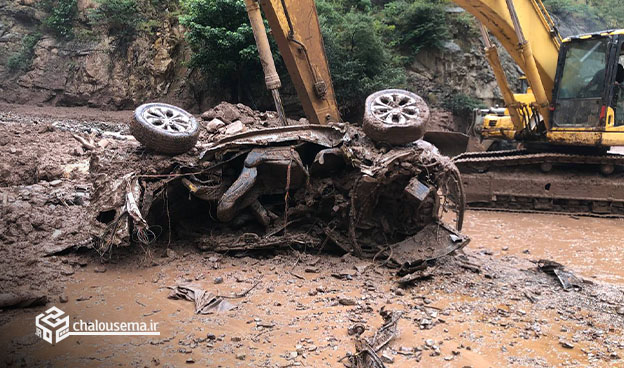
[[326, 136], [434, 241]]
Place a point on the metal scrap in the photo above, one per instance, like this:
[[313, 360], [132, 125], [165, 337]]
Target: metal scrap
[[278, 187], [566, 278], [432, 242], [367, 351], [205, 302]]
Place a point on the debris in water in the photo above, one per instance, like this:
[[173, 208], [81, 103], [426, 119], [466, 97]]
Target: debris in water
[[205, 302], [366, 351], [566, 278]]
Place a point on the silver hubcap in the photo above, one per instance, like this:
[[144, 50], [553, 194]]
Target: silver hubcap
[[167, 119], [395, 108]]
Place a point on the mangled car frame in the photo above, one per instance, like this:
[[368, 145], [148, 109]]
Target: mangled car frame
[[301, 185]]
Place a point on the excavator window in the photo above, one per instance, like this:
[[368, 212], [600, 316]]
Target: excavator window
[[582, 83], [618, 99]]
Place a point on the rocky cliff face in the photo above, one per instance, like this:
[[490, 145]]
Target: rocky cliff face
[[91, 71], [459, 67]]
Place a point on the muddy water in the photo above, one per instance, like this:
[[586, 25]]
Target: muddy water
[[593, 247], [292, 310]]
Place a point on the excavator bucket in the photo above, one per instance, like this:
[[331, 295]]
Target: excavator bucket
[[450, 144]]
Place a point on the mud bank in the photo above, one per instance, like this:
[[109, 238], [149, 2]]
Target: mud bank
[[488, 305]]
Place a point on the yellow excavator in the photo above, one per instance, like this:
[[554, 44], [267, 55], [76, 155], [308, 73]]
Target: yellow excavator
[[565, 123]]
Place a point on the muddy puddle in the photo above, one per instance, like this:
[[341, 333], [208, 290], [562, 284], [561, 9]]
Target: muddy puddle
[[497, 310], [592, 247], [295, 317]]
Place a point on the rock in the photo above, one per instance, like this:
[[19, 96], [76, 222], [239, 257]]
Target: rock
[[56, 234], [235, 128], [63, 298], [208, 115], [429, 342], [214, 125], [226, 112], [387, 358], [55, 183], [293, 355], [346, 301], [235, 339], [67, 271], [100, 269], [218, 280], [171, 253], [566, 344], [404, 350], [190, 360], [240, 356], [451, 46], [620, 310]]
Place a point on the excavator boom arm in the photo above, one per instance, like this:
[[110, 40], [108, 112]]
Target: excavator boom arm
[[537, 27], [296, 29]]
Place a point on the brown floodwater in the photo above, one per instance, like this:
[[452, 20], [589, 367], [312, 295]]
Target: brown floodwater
[[593, 247], [299, 319]]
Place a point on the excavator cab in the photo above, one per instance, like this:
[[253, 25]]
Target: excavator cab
[[587, 84], [588, 103]]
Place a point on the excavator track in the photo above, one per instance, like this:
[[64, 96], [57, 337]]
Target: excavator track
[[519, 180]]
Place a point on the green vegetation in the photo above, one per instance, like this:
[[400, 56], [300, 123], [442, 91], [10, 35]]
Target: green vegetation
[[221, 38], [359, 59], [119, 18], [22, 59], [222, 42], [609, 12], [462, 105], [61, 16], [417, 24]]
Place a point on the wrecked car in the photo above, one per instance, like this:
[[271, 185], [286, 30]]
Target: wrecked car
[[309, 186]]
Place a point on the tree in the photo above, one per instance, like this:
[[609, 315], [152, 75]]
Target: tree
[[612, 11], [120, 19], [359, 60], [222, 42], [417, 24]]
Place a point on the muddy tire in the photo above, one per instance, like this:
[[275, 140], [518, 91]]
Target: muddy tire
[[164, 128], [395, 116]]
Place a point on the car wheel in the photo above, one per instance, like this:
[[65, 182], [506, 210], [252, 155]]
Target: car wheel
[[164, 128], [395, 116]]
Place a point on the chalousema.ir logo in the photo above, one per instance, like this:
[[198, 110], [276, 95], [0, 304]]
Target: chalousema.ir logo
[[52, 325]]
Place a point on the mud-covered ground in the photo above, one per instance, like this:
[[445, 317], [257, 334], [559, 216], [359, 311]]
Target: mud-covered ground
[[485, 307]]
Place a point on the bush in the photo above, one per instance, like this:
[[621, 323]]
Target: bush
[[415, 25], [461, 104], [611, 11], [21, 60], [223, 46], [222, 42], [62, 14], [120, 18], [359, 61]]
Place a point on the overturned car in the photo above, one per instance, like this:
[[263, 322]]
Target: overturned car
[[308, 186]]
